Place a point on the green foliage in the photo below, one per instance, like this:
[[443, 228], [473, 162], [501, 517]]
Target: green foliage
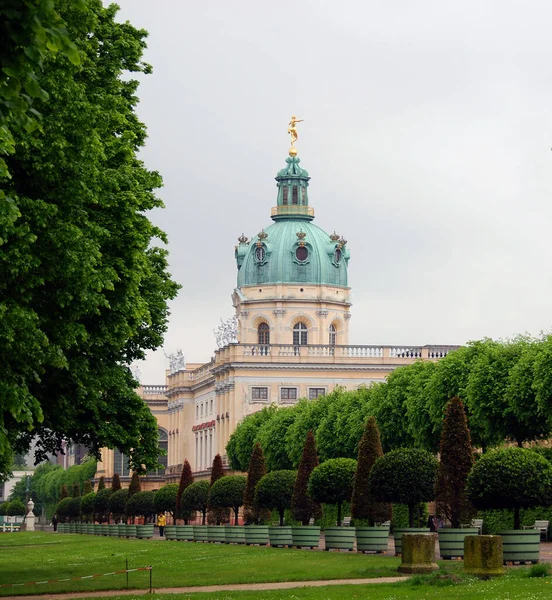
[[400, 517], [63, 508], [186, 479], [84, 289], [135, 485], [241, 442], [117, 502], [196, 498], [227, 492], [74, 508], [76, 490], [511, 478], [116, 483], [309, 416], [87, 505], [404, 476], [456, 461], [275, 490], [252, 512], [101, 483], [332, 482], [16, 508], [140, 504], [4, 507], [539, 570], [63, 492], [270, 436], [101, 504], [303, 507], [217, 514], [87, 487], [165, 499], [363, 505]]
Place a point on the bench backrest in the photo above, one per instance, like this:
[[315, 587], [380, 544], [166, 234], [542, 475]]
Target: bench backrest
[[477, 522], [346, 522], [541, 524]]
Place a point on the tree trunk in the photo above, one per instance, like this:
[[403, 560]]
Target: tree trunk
[[516, 518], [204, 517], [281, 513], [236, 511], [339, 514], [411, 514]]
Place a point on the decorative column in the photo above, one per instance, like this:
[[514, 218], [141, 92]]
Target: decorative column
[[30, 518]]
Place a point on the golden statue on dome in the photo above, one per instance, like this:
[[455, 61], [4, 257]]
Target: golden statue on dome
[[292, 130]]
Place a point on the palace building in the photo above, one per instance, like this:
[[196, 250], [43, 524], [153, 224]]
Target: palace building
[[289, 339]]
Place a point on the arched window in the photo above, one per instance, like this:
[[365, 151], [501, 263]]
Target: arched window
[[294, 195], [285, 195], [163, 457], [299, 334], [264, 337], [333, 334]]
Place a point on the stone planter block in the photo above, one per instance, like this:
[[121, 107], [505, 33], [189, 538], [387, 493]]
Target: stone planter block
[[451, 541], [183, 533], [483, 555], [305, 536], [235, 534], [340, 538], [170, 532], [418, 553], [521, 545], [280, 536], [372, 539], [398, 533], [256, 534], [200, 533]]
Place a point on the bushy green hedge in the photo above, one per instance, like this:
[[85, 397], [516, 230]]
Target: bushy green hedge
[[503, 520], [400, 515]]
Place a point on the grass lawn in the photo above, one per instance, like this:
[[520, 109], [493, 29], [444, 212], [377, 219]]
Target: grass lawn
[[38, 556]]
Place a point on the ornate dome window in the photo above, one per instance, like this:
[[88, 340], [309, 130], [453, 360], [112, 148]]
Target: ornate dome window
[[302, 253], [338, 255], [260, 254], [264, 334]]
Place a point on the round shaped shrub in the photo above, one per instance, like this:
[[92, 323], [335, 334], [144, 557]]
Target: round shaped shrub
[[332, 482], [101, 504], [62, 508], [117, 503], [405, 476], [140, 504], [196, 498], [165, 499], [275, 490], [17, 508], [74, 508], [87, 506], [4, 508], [511, 478], [227, 492]]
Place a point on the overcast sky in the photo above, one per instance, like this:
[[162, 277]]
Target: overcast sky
[[427, 135]]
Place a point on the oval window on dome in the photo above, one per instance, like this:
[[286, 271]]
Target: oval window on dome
[[301, 254], [260, 254], [337, 256]]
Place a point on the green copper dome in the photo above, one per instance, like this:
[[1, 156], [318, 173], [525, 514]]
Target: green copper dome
[[292, 249]]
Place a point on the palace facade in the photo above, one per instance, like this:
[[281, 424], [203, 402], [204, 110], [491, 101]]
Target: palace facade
[[290, 340]]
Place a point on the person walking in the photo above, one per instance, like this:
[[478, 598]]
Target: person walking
[[161, 522], [55, 522]]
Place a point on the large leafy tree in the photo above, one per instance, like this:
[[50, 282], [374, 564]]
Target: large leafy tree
[[270, 436], [83, 288]]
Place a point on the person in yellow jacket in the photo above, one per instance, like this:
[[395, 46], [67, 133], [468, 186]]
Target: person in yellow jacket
[[161, 522]]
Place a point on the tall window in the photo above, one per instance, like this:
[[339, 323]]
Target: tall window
[[333, 334], [294, 195], [163, 457], [264, 334], [299, 334], [120, 464], [285, 195]]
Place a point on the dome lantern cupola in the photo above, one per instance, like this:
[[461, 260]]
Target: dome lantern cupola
[[293, 199]]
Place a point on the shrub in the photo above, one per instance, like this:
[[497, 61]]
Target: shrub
[[4, 508], [87, 506], [117, 503], [275, 491], [101, 504], [165, 499], [511, 478], [196, 498], [228, 492], [363, 505], [134, 486], [186, 479], [62, 508], [74, 508], [405, 476], [63, 493], [116, 483], [217, 514], [101, 483], [255, 472], [76, 490], [456, 461], [87, 487], [303, 507], [332, 482], [140, 504], [16, 508]]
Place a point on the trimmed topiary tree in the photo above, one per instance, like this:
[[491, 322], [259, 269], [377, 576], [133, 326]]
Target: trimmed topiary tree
[[165, 499], [116, 483], [456, 461], [186, 479], [101, 483], [87, 506], [74, 508], [252, 512], [406, 476], [101, 504], [117, 503], [76, 490], [510, 478], [135, 485], [141, 504], [217, 514], [87, 487], [303, 507], [62, 509], [363, 506], [196, 498], [16, 508], [4, 508], [275, 490], [63, 493], [332, 482], [228, 492]]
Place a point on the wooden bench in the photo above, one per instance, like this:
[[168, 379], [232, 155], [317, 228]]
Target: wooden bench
[[476, 523], [541, 526], [346, 522]]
